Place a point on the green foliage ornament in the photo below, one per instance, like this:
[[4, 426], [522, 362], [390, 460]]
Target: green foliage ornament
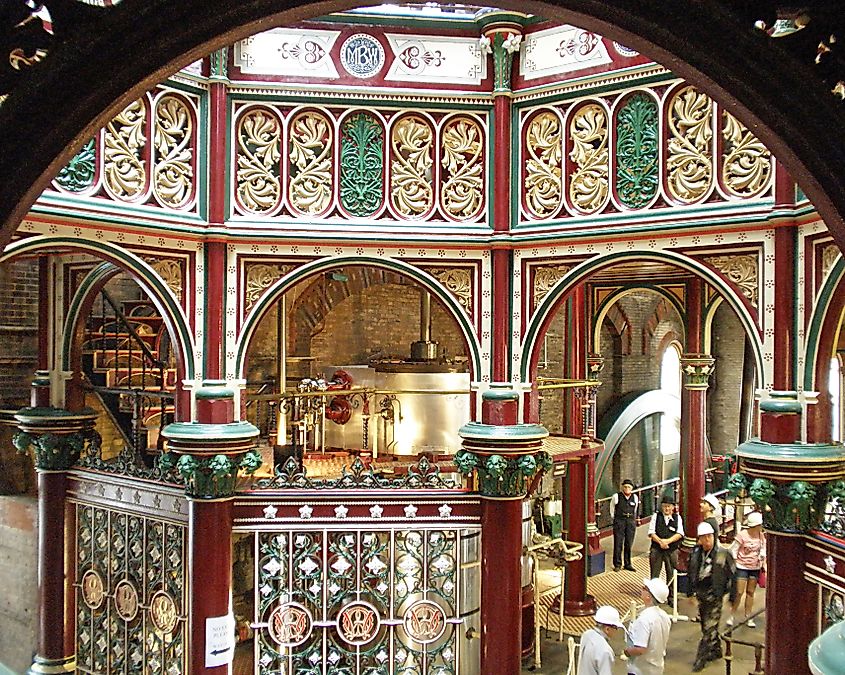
[[737, 483]]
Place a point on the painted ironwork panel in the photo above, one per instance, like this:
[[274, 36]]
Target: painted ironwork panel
[[130, 593]]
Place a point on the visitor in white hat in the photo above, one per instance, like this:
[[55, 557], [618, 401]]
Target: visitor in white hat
[[596, 653], [711, 574], [749, 552], [711, 511], [649, 632]]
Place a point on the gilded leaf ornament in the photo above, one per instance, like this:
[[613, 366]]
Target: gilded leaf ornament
[[637, 151], [741, 270], [170, 272], [588, 184], [259, 278], [545, 279], [543, 171], [79, 173], [746, 163], [830, 254], [689, 167], [259, 151], [462, 189], [410, 172], [124, 174], [361, 165], [458, 281], [173, 173], [311, 162]]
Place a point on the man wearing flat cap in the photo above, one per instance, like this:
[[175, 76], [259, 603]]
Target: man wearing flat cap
[[624, 505], [711, 575], [666, 530]]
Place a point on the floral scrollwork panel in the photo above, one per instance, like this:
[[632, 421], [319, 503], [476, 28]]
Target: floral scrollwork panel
[[689, 165], [543, 166], [830, 254], [124, 141], [411, 192], [259, 277], [637, 151], [170, 272], [458, 281], [741, 270], [589, 180], [259, 136], [362, 165], [173, 141], [79, 174], [310, 154], [461, 194], [545, 279], [746, 163]]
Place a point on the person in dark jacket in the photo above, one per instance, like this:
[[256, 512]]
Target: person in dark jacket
[[624, 505], [711, 575]]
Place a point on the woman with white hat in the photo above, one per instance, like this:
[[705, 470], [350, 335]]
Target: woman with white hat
[[749, 551], [711, 511]]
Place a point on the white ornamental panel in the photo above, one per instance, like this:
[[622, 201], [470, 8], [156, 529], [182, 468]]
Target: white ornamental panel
[[424, 58], [284, 51], [561, 50]]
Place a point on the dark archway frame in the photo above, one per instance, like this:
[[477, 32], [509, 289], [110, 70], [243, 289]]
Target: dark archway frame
[[120, 52]]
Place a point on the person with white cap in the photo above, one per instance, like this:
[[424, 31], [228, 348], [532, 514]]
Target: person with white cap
[[648, 634], [749, 552], [711, 574], [596, 653], [711, 511]]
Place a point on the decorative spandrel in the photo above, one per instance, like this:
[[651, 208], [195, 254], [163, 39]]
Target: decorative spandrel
[[362, 165], [124, 168], [258, 171], [637, 151], [411, 142], [80, 173], [543, 166], [310, 153], [462, 161], [590, 173], [746, 162], [173, 144], [689, 161]]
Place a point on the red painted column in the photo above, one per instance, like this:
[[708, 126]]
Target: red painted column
[[595, 364], [502, 315], [578, 602], [784, 347], [576, 355]]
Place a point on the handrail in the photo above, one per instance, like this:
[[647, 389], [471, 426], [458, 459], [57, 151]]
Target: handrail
[[545, 383], [122, 318], [730, 640]]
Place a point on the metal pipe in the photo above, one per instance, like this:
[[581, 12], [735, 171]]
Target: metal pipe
[[425, 316]]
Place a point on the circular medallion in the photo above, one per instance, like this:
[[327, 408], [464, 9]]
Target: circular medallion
[[358, 623], [126, 600], [163, 612], [362, 55], [424, 621], [92, 589], [622, 50], [289, 625]]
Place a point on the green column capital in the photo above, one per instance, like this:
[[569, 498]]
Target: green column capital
[[55, 436]]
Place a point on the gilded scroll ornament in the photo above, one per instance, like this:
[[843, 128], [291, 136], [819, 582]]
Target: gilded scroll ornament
[[830, 254], [259, 278], [741, 270], [361, 165], [637, 151], [545, 279], [170, 272], [588, 184], [461, 192], [173, 136], [543, 171], [124, 174], [259, 151], [79, 173], [410, 176], [689, 167], [746, 163], [458, 281], [311, 162]]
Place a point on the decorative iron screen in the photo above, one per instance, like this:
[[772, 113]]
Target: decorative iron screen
[[364, 601]]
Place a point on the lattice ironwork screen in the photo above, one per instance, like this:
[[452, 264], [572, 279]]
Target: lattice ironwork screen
[[365, 601]]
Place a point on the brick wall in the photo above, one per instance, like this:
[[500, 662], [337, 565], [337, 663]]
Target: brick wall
[[18, 334], [18, 579]]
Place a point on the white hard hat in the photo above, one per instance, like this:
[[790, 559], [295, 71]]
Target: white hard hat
[[608, 616], [658, 589], [705, 528], [755, 518], [712, 500]]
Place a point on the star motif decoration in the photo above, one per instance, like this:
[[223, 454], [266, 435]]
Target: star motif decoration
[[340, 511], [376, 511], [305, 511], [411, 511], [445, 511], [830, 564], [270, 512]]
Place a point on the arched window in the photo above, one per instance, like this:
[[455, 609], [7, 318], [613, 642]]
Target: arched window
[[670, 382]]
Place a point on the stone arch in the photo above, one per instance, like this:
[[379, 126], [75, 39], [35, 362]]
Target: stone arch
[[620, 326], [658, 320]]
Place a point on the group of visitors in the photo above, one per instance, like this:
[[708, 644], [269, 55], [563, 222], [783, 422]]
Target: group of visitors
[[713, 571]]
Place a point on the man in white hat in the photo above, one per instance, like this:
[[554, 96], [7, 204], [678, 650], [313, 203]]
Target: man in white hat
[[649, 632], [711, 575], [596, 653]]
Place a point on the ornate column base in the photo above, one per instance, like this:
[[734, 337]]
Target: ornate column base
[[585, 607], [42, 665]]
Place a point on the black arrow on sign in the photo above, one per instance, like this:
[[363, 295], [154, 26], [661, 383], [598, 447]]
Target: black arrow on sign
[[215, 652]]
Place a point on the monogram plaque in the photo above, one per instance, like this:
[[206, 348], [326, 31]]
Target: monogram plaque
[[424, 622], [289, 624], [126, 600], [163, 612], [358, 623], [362, 55], [92, 589]]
